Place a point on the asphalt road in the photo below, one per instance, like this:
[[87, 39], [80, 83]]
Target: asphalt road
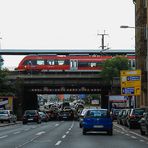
[[67, 134]]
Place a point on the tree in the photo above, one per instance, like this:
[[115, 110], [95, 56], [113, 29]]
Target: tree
[[112, 67], [6, 88]]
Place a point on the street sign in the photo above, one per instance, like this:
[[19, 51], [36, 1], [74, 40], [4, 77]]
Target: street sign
[[130, 82]]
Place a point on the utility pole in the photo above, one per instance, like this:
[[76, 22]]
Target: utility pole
[[102, 43]]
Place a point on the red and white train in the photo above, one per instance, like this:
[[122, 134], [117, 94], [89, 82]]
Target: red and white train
[[50, 63]]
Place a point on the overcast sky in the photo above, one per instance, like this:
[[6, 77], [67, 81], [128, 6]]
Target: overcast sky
[[64, 24]]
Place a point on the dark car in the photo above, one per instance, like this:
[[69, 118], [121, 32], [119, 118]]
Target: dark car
[[134, 116], [97, 120], [66, 114], [44, 116], [31, 116], [144, 124]]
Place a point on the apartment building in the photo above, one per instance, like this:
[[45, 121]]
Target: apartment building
[[141, 45]]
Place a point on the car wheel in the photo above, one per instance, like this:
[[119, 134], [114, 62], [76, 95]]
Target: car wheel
[[142, 132], [84, 131], [130, 126], [80, 125], [24, 122]]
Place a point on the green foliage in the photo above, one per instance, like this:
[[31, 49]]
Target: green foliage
[[112, 67], [6, 88]]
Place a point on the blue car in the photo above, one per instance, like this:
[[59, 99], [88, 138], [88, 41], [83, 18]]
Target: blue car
[[97, 120]]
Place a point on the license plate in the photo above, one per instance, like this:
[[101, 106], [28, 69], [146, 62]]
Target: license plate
[[98, 126], [30, 119]]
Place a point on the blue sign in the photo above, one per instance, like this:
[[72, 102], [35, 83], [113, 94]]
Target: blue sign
[[133, 78], [129, 90]]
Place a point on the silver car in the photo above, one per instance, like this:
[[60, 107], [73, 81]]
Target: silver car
[[7, 115]]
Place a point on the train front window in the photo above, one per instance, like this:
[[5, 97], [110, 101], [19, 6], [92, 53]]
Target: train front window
[[40, 62]]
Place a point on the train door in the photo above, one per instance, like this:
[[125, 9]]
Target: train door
[[73, 65]]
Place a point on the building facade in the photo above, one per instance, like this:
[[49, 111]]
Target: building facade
[[141, 45]]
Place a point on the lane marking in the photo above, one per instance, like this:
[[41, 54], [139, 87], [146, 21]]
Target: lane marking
[[3, 136], [133, 137], [40, 133], [141, 140], [131, 132], [16, 132], [63, 136], [67, 132], [69, 129], [57, 125], [58, 143]]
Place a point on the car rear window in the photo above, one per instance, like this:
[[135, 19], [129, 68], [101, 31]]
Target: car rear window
[[96, 113], [138, 111], [30, 112], [3, 112]]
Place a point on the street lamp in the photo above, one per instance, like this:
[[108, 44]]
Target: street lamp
[[126, 27], [146, 33]]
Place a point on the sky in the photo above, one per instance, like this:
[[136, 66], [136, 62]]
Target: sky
[[64, 24]]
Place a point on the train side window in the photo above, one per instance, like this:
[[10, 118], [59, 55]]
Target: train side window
[[93, 64], [40, 62], [50, 62], [83, 64], [60, 62]]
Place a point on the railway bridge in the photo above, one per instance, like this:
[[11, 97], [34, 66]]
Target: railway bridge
[[29, 85]]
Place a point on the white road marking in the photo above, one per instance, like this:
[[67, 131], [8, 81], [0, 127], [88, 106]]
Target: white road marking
[[63, 136], [122, 132], [58, 143], [67, 132], [26, 129], [127, 134], [131, 132], [57, 125], [69, 129], [16, 132], [3, 136], [133, 137], [141, 140], [40, 133]]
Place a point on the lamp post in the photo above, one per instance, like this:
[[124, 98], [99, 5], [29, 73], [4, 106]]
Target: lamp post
[[146, 64]]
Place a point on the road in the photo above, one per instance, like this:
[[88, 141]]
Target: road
[[67, 134]]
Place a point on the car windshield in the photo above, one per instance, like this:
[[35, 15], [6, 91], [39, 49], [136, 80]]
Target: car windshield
[[97, 113], [3, 112]]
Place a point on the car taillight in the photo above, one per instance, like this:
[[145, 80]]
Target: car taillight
[[36, 116], [131, 116]]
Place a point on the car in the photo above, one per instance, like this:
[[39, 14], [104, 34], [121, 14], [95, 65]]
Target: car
[[134, 116], [124, 117], [120, 116], [31, 116], [8, 116], [144, 124], [114, 113], [66, 114], [44, 116], [81, 116], [97, 120]]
